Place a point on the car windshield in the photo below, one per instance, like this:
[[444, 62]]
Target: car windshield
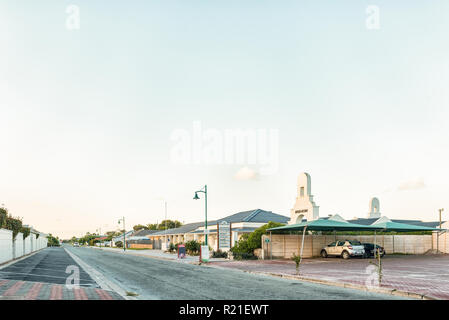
[[355, 243]]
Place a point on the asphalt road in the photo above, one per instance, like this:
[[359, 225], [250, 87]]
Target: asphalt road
[[48, 266], [160, 279]]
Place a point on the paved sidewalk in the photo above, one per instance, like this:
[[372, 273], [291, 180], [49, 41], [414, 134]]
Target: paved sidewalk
[[426, 275], [159, 254], [29, 290]]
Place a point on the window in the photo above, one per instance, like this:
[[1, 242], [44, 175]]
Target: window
[[341, 243], [301, 192], [332, 244]]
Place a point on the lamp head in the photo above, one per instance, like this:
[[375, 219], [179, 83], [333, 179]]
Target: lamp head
[[196, 196]]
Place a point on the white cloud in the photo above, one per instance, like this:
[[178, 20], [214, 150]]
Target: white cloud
[[413, 184], [246, 173]]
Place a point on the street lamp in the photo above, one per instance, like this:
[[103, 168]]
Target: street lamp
[[203, 190], [124, 233]]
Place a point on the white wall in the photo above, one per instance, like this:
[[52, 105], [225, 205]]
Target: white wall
[[5, 245], [18, 246], [27, 245]]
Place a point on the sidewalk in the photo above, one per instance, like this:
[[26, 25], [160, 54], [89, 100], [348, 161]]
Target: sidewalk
[[159, 254], [29, 290]]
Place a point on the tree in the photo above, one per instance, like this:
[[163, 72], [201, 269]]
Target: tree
[[52, 241], [140, 227], [249, 242], [169, 224]]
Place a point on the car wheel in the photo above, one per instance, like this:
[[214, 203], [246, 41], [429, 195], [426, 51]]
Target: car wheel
[[323, 253], [345, 255]]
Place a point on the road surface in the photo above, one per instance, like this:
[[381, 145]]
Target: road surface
[[151, 278], [49, 275]]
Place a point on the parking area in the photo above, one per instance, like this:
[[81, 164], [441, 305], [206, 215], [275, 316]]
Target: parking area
[[422, 274]]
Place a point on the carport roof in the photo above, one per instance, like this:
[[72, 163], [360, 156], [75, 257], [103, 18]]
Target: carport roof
[[401, 227], [327, 225], [334, 225]]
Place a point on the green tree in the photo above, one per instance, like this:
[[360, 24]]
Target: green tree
[[140, 227], [52, 241], [169, 224], [249, 242]]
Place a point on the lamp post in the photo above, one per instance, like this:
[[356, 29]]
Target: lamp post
[[124, 233], [203, 190]]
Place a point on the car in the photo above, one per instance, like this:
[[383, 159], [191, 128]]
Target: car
[[344, 249], [76, 244], [369, 250]]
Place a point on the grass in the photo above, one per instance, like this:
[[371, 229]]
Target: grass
[[131, 294]]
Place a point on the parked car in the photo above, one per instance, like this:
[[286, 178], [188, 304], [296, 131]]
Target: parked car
[[369, 250], [344, 249], [76, 244]]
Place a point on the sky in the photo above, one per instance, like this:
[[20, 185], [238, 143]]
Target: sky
[[100, 106]]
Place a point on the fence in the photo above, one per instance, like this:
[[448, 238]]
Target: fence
[[15, 248], [284, 246], [441, 241]]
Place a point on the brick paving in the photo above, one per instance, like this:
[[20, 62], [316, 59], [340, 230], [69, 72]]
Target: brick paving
[[28, 290], [422, 274]]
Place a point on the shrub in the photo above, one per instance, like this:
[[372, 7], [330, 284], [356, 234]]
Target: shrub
[[244, 249], [193, 247], [171, 247], [119, 244], [244, 256], [219, 254], [13, 224], [25, 231], [3, 216]]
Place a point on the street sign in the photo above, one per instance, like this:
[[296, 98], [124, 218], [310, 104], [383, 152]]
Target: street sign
[[224, 235], [267, 240]]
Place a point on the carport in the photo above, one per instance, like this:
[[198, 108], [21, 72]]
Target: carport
[[335, 224], [323, 225]]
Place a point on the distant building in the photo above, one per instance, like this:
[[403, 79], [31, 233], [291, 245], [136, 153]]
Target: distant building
[[304, 207]]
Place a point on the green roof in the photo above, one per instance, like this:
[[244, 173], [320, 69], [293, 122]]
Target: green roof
[[401, 227], [334, 225], [327, 225]]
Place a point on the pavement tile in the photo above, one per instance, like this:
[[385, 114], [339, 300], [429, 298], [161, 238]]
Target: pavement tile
[[420, 274]]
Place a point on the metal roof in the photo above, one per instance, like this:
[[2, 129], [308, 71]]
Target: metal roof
[[326, 225], [256, 216], [366, 221]]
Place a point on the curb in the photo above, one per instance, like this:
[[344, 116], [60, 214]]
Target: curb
[[393, 292]]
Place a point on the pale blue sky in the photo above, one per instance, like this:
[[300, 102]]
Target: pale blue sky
[[86, 115]]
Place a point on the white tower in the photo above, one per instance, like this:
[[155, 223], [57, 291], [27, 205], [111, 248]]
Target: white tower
[[374, 208], [304, 207]]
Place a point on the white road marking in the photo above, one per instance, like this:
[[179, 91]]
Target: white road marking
[[102, 281]]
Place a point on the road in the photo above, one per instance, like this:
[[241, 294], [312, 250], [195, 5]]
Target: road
[[50, 274], [160, 279]]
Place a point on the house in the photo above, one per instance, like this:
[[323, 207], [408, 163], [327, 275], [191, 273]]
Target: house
[[238, 223], [120, 238]]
